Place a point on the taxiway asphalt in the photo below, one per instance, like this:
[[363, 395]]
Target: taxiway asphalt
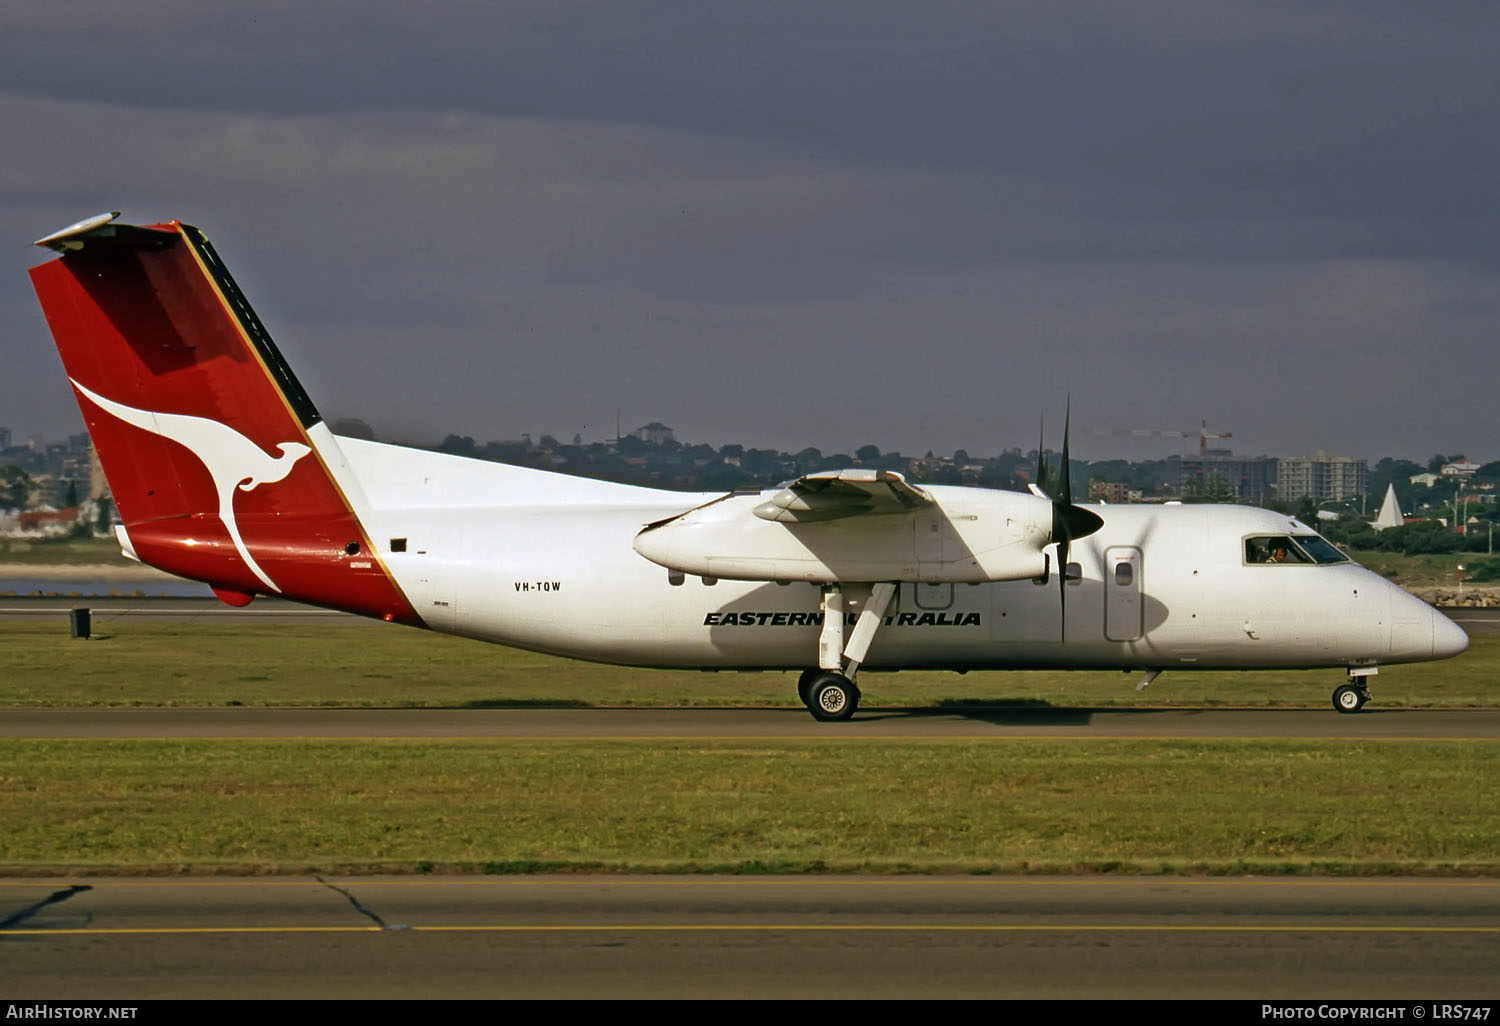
[[749, 937]]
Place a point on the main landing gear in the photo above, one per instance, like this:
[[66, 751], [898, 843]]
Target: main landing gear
[[828, 696], [829, 692], [1351, 697]]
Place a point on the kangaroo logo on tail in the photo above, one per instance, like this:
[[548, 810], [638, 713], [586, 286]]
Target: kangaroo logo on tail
[[232, 460]]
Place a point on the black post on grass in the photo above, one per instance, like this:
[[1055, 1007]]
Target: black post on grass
[[78, 620]]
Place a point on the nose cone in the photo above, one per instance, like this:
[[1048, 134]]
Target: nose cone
[[1419, 632], [1448, 638]]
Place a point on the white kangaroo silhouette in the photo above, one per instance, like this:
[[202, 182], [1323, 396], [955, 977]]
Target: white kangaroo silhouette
[[232, 460]]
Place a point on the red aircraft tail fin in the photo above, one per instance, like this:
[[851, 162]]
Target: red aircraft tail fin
[[215, 455]]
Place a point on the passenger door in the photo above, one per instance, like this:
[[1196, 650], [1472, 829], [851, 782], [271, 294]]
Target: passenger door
[[1122, 593]]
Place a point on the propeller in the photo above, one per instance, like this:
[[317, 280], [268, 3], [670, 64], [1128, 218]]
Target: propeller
[[1041, 459], [1069, 522]]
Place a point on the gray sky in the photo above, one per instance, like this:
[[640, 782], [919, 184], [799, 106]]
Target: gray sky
[[920, 225]]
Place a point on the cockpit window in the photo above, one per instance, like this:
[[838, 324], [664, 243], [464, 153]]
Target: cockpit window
[[1301, 548], [1319, 548], [1277, 549]]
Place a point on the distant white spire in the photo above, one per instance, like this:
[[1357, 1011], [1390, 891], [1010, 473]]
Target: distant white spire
[[1390, 511]]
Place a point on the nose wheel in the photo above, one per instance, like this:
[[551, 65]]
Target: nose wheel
[[1350, 698]]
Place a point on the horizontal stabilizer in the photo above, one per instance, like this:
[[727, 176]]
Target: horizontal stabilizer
[[99, 232]]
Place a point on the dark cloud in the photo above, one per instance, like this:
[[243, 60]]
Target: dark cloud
[[790, 223]]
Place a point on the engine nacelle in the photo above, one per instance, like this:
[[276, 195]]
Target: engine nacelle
[[967, 535]]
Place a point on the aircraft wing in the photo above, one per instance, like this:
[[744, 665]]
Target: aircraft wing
[[857, 526], [835, 494]]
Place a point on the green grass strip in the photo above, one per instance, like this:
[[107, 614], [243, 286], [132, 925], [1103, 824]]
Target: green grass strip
[[222, 661], [725, 806]]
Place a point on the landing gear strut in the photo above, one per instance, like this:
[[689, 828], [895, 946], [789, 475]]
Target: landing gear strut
[[829, 692]]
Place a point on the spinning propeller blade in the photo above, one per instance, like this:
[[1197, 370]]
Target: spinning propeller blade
[[1069, 522]]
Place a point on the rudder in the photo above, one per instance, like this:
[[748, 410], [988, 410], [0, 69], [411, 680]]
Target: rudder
[[216, 457]]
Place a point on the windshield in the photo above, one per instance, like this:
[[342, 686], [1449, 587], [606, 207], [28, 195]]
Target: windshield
[[1319, 548], [1280, 549]]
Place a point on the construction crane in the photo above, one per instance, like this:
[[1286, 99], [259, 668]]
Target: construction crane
[[1202, 434]]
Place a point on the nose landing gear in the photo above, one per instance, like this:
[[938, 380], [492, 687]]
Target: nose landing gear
[[1351, 697]]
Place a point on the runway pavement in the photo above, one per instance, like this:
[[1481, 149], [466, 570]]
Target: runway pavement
[[750, 937], [1478, 622]]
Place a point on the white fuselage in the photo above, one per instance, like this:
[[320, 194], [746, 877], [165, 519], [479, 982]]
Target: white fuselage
[[545, 562]]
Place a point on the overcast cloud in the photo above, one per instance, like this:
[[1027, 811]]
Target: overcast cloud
[[917, 225]]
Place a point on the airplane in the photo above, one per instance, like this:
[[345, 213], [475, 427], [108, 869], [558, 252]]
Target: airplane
[[223, 471]]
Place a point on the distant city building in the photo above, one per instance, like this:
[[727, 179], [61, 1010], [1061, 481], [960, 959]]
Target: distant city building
[[98, 486], [4, 438], [1458, 468], [1112, 491], [42, 523], [1247, 480], [51, 491], [1320, 477], [1425, 480], [655, 433], [1478, 491]]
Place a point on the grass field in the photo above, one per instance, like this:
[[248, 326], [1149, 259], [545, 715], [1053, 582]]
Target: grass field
[[63, 552], [722, 806], [824, 804], [1426, 571], [360, 663]]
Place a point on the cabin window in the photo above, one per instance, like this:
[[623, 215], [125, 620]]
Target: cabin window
[[398, 544], [1123, 574]]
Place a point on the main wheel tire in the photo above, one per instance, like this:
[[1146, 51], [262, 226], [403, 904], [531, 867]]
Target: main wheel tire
[[832, 697], [804, 685], [1348, 698]]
